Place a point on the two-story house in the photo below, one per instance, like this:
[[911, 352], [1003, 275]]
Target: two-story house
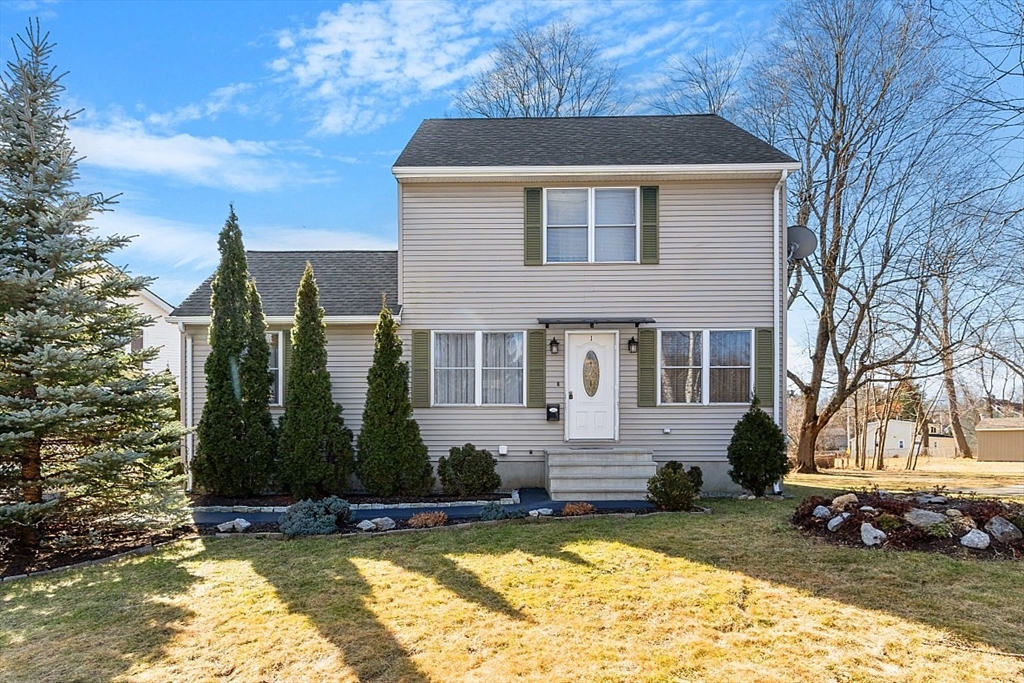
[[584, 297]]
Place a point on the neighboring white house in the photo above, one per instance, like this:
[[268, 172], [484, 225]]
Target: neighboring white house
[[584, 297], [899, 438], [162, 334]]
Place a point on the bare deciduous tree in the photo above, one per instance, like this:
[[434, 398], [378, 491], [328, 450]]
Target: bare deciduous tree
[[855, 96], [702, 83], [543, 72]]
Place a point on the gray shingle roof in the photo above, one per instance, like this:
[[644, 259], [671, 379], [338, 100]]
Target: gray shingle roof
[[350, 282], [585, 141]]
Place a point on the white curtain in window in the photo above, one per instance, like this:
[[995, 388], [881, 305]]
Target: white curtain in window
[[454, 368], [502, 368], [730, 367]]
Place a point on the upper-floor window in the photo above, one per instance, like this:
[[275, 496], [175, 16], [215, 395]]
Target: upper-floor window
[[595, 225], [479, 368], [706, 366]]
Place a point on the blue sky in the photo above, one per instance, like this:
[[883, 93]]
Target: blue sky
[[295, 111]]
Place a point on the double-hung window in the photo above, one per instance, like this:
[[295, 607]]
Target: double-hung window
[[479, 368], [595, 225], [706, 366], [274, 339]]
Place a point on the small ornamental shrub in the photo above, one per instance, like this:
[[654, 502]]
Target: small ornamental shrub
[[944, 530], [577, 509], [981, 511], [696, 476], [315, 517], [671, 488], [907, 538], [493, 511], [888, 523], [468, 471], [757, 451], [424, 520]]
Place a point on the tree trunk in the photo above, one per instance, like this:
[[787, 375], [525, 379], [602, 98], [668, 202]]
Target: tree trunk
[[809, 430], [32, 472], [954, 409]]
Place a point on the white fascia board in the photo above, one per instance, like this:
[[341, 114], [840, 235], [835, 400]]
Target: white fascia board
[[288, 320], [466, 172]]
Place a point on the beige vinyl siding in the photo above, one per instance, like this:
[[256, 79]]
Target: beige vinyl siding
[[349, 355], [1000, 445], [462, 255]]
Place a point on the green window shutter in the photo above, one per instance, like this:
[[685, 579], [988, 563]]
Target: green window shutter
[[536, 387], [649, 225], [647, 368], [421, 368], [764, 366], [533, 233]]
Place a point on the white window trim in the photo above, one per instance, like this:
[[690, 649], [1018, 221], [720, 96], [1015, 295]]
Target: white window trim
[[591, 227], [705, 367], [277, 400], [478, 366]]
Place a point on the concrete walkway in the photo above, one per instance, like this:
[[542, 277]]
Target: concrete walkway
[[530, 499]]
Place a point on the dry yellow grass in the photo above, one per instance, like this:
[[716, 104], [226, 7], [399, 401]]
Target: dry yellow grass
[[737, 595], [954, 474]]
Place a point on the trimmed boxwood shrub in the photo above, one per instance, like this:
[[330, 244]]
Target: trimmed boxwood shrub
[[672, 488], [315, 517], [468, 471]]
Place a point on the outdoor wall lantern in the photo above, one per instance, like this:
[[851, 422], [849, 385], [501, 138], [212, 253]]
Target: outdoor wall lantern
[[553, 345], [631, 345]]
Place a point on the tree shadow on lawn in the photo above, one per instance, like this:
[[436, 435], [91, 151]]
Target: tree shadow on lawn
[[90, 625], [968, 597]]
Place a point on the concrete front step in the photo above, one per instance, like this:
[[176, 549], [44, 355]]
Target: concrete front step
[[599, 473], [645, 469]]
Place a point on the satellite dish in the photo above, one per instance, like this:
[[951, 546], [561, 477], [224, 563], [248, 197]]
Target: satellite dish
[[801, 242]]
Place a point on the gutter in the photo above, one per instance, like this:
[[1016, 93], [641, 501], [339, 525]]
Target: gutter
[[288, 319], [190, 437], [485, 172]]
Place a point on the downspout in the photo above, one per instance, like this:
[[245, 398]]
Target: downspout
[[777, 246], [190, 437]]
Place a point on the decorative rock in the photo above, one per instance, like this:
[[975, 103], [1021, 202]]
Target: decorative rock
[[242, 524], [515, 496], [238, 524], [978, 540], [867, 508], [225, 527], [924, 518], [836, 521], [870, 535], [542, 512], [926, 499], [839, 502], [822, 512], [1003, 529], [366, 525], [953, 512], [384, 523]]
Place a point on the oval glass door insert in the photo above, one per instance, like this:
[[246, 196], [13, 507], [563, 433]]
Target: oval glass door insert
[[591, 373]]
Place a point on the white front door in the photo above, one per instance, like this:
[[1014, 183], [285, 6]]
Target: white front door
[[592, 385]]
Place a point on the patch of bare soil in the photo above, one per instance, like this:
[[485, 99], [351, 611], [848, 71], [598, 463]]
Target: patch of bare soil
[[62, 544], [886, 512]]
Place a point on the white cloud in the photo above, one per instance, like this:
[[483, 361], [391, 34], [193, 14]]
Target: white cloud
[[127, 145], [363, 63], [219, 101]]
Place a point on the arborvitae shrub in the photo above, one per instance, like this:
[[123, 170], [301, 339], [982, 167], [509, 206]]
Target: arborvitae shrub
[[315, 517], [671, 488], [392, 458], [468, 471], [316, 447], [757, 451]]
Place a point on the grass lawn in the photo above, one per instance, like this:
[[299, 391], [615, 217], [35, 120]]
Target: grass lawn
[[951, 473], [737, 595]]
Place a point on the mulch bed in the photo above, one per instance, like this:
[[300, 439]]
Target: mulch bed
[[64, 544], [901, 535], [201, 500]]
